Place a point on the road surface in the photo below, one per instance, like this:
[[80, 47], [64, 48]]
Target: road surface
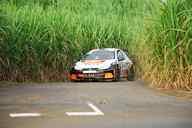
[[94, 105]]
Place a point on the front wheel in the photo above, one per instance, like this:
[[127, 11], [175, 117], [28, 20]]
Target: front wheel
[[131, 74]]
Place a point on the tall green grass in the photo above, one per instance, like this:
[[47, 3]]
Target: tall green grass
[[169, 46], [39, 39]]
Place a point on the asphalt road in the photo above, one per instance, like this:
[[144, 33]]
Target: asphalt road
[[124, 105]]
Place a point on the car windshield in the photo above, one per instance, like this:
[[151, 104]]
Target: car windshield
[[100, 55]]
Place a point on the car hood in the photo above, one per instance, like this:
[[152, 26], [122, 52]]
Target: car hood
[[100, 64]]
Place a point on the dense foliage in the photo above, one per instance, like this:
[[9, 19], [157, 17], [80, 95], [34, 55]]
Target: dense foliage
[[39, 39]]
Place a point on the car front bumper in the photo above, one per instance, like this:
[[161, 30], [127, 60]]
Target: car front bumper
[[92, 75]]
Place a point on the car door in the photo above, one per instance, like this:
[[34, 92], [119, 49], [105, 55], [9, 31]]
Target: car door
[[122, 63]]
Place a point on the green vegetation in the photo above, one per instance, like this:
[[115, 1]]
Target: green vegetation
[[39, 39], [169, 40]]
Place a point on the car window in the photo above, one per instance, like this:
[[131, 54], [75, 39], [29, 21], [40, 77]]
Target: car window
[[120, 56], [99, 55]]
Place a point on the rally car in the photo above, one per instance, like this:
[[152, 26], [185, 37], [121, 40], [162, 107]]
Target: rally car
[[103, 64]]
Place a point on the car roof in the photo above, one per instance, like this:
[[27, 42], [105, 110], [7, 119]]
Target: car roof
[[106, 49]]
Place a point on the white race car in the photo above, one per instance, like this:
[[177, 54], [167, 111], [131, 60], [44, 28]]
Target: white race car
[[103, 64]]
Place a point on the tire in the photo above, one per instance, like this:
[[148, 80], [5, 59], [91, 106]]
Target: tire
[[131, 74]]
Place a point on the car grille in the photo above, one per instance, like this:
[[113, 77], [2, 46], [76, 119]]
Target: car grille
[[93, 75], [91, 69]]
